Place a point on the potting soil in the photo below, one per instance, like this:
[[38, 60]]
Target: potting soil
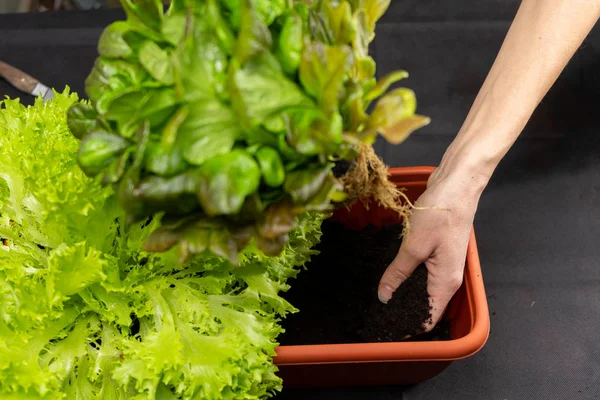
[[337, 293]]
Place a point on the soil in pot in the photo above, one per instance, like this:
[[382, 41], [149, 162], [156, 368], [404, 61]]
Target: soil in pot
[[337, 293]]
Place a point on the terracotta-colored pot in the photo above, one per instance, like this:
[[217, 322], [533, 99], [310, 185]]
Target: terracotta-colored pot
[[394, 363]]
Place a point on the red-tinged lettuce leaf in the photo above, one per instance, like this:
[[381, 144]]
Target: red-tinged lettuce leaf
[[286, 82], [303, 185], [154, 194], [82, 119], [196, 237], [254, 35], [334, 18], [277, 221], [399, 131], [319, 28]]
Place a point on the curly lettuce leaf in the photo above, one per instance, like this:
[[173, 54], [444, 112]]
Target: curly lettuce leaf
[[86, 313], [51, 202]]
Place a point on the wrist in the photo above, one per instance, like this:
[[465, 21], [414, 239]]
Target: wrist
[[466, 169], [477, 150]]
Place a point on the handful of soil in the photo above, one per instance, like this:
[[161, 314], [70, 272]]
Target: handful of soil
[[337, 294]]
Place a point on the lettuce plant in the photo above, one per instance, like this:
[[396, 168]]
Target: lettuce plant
[[86, 314], [224, 118]]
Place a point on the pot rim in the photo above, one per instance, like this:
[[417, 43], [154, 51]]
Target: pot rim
[[453, 349]]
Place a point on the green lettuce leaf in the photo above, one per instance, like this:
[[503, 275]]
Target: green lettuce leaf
[[86, 313], [217, 78]]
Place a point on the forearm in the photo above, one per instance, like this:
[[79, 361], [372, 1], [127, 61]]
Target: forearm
[[542, 39]]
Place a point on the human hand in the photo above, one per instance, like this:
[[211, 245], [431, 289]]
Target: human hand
[[440, 227], [539, 44]]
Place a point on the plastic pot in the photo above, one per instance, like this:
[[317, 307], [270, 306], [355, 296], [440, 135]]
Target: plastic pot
[[355, 364]]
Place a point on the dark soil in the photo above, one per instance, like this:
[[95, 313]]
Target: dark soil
[[341, 167], [337, 293]]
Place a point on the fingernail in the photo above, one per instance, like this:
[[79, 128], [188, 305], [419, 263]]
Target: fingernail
[[385, 293]]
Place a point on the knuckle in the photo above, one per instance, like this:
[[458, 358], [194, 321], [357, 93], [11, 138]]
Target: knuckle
[[397, 275], [455, 282], [414, 252]]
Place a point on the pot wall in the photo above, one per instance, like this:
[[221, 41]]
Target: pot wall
[[394, 363]]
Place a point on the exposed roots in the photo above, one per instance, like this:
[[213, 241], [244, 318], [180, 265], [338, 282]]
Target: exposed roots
[[367, 181]]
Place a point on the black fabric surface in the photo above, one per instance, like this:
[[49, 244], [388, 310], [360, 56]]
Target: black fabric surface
[[538, 225]]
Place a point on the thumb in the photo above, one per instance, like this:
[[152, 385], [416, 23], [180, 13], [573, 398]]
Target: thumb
[[397, 272]]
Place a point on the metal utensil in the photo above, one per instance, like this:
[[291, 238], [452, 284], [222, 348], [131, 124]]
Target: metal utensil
[[24, 82]]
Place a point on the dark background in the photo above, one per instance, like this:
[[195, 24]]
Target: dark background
[[538, 224]]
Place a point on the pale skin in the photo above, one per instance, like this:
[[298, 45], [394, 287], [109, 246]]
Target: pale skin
[[542, 39]]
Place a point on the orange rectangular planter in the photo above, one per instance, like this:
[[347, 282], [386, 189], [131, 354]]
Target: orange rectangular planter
[[355, 364]]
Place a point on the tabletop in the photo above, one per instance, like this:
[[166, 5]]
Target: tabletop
[[538, 223]]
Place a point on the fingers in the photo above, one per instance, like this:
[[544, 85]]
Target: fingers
[[441, 288], [398, 271]]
